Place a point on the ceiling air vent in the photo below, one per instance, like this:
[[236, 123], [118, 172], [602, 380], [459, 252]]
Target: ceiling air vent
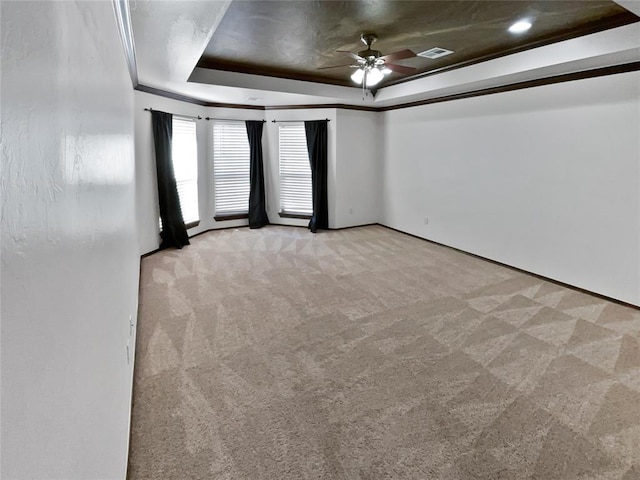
[[435, 52]]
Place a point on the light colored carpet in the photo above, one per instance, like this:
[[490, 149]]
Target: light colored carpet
[[369, 354]]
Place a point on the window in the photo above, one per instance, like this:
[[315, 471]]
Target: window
[[184, 153], [230, 169], [295, 171]]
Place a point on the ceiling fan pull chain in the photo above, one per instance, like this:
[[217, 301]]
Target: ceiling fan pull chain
[[364, 82]]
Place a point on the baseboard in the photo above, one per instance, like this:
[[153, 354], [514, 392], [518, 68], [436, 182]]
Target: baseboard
[[144, 255], [517, 269], [496, 262], [355, 226]]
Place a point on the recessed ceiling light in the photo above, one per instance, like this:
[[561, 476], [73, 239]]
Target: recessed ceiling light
[[521, 26]]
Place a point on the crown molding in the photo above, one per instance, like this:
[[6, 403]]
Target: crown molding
[[562, 78], [323, 105], [538, 82], [197, 101]]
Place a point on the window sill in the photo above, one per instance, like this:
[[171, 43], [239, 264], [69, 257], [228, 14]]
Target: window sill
[[192, 224], [302, 216], [230, 216]]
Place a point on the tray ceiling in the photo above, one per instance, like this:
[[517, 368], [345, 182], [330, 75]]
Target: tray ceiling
[[294, 38]]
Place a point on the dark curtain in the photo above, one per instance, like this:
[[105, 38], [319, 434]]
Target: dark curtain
[[174, 233], [316, 132], [257, 208]]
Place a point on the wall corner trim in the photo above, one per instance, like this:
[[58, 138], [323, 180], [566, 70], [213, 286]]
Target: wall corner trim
[[123, 20]]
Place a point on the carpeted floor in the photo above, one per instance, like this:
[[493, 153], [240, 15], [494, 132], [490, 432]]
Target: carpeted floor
[[369, 354]]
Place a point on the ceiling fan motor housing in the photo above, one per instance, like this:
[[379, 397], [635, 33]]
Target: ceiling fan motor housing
[[370, 53], [368, 39]]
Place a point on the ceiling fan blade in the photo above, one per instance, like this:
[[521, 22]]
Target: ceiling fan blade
[[399, 68], [336, 66], [351, 54], [400, 55]]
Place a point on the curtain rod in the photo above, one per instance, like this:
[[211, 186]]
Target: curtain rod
[[176, 114], [232, 119], [298, 121]]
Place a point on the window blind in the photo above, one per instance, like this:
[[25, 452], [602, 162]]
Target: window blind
[[230, 168], [295, 171], [184, 153]]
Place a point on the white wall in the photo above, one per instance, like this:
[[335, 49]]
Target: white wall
[[359, 158], [546, 179], [147, 202], [69, 245], [354, 157]]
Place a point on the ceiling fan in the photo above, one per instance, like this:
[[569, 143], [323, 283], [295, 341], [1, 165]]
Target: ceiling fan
[[371, 65]]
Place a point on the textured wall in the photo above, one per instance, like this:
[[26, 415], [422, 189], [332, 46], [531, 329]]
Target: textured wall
[[69, 242], [358, 166], [546, 179]]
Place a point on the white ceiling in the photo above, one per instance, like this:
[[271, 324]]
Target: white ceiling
[[170, 37]]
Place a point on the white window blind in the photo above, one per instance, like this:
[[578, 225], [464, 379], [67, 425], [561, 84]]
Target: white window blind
[[184, 152], [230, 168], [295, 171]]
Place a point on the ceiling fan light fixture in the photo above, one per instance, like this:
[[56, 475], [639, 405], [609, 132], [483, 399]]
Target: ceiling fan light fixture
[[358, 76], [371, 66], [374, 77], [520, 26]]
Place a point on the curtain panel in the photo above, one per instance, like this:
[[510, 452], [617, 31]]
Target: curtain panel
[[316, 133], [174, 232], [257, 205]]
